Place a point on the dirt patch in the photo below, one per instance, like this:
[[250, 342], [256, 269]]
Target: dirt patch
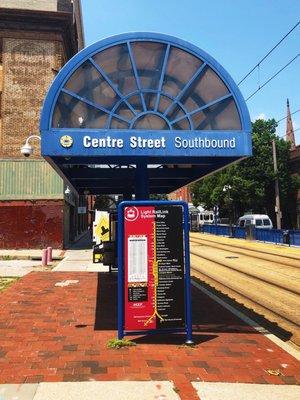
[[46, 268], [6, 282]]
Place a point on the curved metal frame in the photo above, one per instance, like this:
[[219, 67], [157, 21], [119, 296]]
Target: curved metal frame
[[86, 55], [159, 93], [133, 121]]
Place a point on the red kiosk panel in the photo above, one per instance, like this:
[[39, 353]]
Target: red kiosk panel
[[154, 268]]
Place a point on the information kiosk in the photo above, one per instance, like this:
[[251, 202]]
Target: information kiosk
[[154, 268]]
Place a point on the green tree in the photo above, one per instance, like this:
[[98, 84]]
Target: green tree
[[251, 180]]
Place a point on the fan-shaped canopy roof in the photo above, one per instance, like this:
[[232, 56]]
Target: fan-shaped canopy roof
[[142, 99]]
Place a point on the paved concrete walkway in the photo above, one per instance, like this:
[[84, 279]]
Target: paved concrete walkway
[[152, 390], [80, 258], [17, 267]]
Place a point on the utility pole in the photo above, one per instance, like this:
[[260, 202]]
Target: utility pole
[[277, 199]]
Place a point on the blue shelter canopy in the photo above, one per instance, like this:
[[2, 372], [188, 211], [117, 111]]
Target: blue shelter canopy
[[140, 113]]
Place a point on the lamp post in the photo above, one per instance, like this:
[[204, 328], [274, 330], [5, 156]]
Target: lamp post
[[277, 198], [227, 189]]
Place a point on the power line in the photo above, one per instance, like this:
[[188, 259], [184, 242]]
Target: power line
[[286, 116], [273, 48], [285, 134], [272, 77]]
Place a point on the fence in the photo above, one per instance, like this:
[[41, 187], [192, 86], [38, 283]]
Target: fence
[[291, 237]]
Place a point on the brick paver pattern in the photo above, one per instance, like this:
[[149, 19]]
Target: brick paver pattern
[[54, 333]]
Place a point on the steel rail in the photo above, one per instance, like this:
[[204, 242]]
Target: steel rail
[[255, 253], [278, 300], [249, 303], [261, 275]]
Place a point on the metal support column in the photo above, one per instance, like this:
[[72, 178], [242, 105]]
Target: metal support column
[[141, 182], [127, 196]]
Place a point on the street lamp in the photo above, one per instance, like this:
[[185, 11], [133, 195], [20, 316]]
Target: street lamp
[[226, 189], [27, 149]]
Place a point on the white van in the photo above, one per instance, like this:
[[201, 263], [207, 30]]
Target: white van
[[206, 217], [259, 220]]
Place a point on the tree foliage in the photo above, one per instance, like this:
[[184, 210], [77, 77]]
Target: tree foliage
[[251, 180]]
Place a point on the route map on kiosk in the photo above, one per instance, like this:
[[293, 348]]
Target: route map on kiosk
[[154, 290]]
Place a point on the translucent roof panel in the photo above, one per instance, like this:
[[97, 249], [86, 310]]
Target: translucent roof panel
[[88, 83], [115, 62], [180, 69], [73, 113], [148, 58], [146, 84], [221, 116], [150, 122], [206, 88]]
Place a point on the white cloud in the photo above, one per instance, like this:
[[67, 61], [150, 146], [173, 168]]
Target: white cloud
[[260, 116]]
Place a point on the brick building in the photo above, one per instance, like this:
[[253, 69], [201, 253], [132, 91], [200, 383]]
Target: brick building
[[294, 166], [37, 37], [182, 194], [295, 170]]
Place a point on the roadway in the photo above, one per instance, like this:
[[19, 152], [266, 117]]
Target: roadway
[[262, 277]]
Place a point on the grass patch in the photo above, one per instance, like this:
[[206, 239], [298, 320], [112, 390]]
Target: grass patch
[[6, 282], [189, 345], [118, 343], [7, 258]]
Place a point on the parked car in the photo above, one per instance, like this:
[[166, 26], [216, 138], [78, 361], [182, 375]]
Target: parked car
[[259, 220]]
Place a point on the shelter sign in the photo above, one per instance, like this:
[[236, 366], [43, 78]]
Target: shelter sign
[[154, 286], [140, 100]]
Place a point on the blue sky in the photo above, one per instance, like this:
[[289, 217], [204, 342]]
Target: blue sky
[[237, 33]]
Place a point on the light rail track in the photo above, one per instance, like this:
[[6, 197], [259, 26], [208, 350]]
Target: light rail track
[[266, 280], [264, 254]]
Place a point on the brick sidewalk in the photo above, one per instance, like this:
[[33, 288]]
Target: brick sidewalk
[[51, 334]]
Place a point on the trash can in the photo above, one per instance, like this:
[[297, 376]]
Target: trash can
[[286, 239], [109, 253], [97, 254]]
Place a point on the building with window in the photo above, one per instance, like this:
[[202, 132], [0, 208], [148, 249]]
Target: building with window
[[295, 169], [37, 38]]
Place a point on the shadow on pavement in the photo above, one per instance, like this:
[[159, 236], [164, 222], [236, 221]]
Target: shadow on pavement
[[106, 301], [209, 318], [83, 243], [173, 338]]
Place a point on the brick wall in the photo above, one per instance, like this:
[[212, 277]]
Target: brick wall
[[31, 224], [182, 193], [43, 5], [29, 66]]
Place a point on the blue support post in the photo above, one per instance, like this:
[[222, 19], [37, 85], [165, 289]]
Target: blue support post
[[127, 195], [141, 182], [120, 273], [188, 299]]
